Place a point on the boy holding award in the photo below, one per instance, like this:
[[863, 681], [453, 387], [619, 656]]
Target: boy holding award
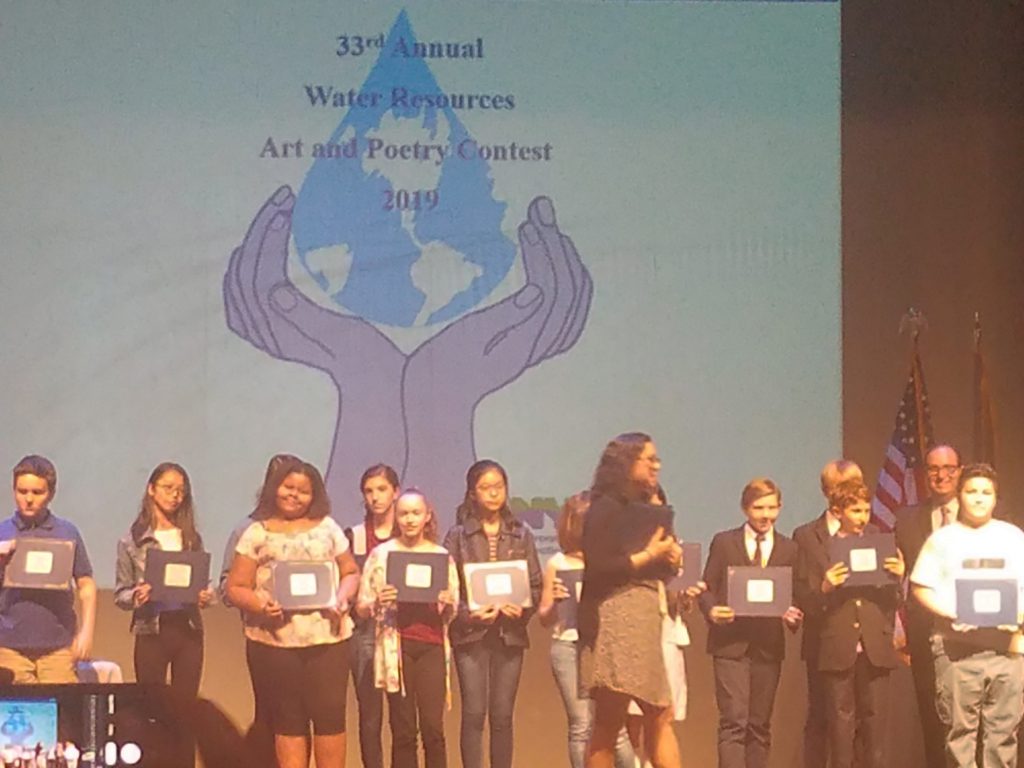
[[852, 589]]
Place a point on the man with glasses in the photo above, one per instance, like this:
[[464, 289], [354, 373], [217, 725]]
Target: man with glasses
[[913, 526]]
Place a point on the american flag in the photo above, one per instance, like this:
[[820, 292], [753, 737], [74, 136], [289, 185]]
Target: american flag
[[902, 477]]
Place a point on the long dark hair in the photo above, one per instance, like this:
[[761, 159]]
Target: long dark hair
[[275, 461], [379, 470], [473, 475], [613, 476], [266, 506], [184, 517]]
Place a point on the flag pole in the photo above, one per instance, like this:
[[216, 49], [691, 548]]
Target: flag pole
[[914, 321], [984, 438]]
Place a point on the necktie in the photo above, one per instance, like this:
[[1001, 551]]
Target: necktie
[[758, 559], [945, 517]]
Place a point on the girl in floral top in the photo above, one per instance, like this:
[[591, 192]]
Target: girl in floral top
[[412, 656], [301, 654]]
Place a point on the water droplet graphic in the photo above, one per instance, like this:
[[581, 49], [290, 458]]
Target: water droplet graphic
[[412, 267]]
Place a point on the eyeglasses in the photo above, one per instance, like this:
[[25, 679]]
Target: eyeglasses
[[945, 469], [172, 490], [654, 461]]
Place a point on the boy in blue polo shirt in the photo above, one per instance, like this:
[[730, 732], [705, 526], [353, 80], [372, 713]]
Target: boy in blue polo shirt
[[40, 638]]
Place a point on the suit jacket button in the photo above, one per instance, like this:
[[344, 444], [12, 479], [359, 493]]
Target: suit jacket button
[[856, 625], [857, 602]]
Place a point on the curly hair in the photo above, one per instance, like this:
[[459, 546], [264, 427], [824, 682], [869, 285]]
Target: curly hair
[[266, 507], [613, 476]]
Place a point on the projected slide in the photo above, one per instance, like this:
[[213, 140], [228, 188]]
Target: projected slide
[[420, 233]]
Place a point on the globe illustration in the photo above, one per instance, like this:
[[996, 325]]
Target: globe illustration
[[402, 230]]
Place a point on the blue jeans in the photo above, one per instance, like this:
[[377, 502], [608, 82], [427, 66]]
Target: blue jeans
[[488, 682], [370, 698], [580, 712]]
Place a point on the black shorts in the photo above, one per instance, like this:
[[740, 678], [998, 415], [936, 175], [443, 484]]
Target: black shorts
[[305, 685]]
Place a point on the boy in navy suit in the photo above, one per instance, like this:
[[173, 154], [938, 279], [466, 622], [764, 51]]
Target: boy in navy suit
[[856, 652], [814, 536], [747, 652]]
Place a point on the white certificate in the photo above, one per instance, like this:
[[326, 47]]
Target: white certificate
[[39, 562], [498, 584], [863, 560], [760, 591], [417, 575], [302, 584], [987, 601], [177, 575]]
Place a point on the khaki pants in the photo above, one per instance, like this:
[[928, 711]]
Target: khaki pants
[[39, 666], [979, 692]]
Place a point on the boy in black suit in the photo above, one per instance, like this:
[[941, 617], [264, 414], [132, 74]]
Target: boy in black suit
[[747, 652], [856, 652], [815, 536]]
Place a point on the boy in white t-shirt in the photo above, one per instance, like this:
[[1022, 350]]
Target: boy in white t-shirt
[[978, 679]]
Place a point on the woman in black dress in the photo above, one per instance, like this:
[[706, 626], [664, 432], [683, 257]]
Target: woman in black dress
[[620, 620]]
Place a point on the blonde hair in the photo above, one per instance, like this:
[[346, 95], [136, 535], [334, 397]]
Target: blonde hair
[[839, 471], [758, 488]]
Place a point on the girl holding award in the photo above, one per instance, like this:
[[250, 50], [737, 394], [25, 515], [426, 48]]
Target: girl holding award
[[412, 656], [490, 640], [168, 636], [298, 641]]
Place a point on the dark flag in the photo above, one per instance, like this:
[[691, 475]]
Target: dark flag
[[984, 423]]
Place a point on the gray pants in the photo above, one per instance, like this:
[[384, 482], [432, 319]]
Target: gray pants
[[979, 688]]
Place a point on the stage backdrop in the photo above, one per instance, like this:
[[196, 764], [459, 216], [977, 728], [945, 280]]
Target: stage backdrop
[[419, 234]]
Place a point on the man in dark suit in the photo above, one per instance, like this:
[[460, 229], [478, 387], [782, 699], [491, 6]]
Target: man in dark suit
[[913, 527], [855, 650], [813, 538], [747, 652]]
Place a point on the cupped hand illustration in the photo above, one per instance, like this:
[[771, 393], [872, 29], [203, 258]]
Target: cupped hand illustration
[[489, 348], [408, 410], [265, 308]]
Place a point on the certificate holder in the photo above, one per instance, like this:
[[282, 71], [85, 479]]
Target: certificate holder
[[41, 564], [304, 585], [753, 591], [569, 608], [865, 557], [418, 576], [986, 602], [689, 572], [506, 582], [176, 577], [639, 522]]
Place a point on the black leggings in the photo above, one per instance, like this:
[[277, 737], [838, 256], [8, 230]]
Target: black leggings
[[423, 668], [178, 647], [309, 685]]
